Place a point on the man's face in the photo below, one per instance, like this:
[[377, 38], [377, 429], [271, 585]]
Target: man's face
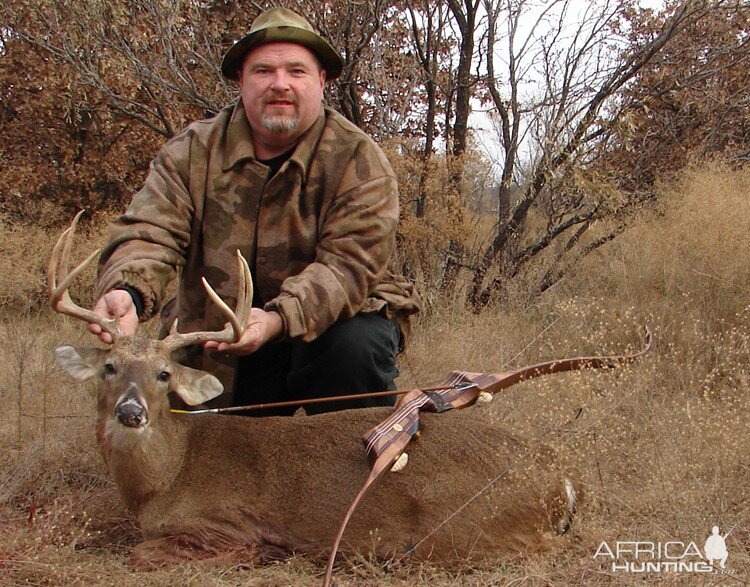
[[282, 90]]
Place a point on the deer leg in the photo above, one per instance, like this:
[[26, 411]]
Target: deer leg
[[170, 550]]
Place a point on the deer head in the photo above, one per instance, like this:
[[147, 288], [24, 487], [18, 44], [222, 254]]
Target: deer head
[[135, 373]]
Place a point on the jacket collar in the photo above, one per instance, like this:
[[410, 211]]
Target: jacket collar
[[239, 145]]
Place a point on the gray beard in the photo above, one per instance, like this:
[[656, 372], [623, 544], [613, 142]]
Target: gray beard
[[280, 125]]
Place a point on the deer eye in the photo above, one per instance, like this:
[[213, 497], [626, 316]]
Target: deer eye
[[164, 376], [109, 369]]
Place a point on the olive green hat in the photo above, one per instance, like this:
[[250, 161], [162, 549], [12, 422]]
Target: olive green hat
[[282, 25]]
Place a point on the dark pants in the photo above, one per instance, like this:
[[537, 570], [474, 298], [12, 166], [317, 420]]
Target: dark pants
[[353, 356]]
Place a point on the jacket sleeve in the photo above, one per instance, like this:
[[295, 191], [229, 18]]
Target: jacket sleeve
[[148, 242], [356, 237]]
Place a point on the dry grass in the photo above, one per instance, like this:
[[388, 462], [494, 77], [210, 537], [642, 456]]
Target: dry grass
[[663, 446], [24, 255]]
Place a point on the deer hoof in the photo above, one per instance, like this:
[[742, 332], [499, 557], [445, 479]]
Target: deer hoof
[[400, 463], [484, 398]]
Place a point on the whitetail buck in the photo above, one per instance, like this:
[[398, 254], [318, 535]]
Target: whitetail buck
[[202, 486]]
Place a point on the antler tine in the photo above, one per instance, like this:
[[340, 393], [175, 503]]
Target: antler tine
[[237, 318], [53, 267], [246, 289], [60, 262], [62, 247], [63, 266], [58, 292]]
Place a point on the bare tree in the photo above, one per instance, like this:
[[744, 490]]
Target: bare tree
[[350, 26], [154, 62], [582, 71], [465, 15], [428, 30]]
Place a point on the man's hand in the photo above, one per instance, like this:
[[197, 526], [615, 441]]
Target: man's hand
[[116, 304], [262, 327]]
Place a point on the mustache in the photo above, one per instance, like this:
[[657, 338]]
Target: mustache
[[273, 97]]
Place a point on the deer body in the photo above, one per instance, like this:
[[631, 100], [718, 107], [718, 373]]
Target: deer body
[[284, 484]]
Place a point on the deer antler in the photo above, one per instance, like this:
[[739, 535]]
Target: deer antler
[[58, 271], [237, 319]]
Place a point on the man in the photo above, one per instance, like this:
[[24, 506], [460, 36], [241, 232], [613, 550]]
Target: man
[[308, 199]]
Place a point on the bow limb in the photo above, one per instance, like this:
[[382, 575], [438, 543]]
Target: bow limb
[[385, 444], [332, 557], [493, 383]]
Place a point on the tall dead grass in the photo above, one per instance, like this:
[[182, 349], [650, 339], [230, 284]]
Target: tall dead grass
[[24, 256], [662, 445]]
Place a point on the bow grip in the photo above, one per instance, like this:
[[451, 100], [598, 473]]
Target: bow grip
[[460, 396], [392, 438]]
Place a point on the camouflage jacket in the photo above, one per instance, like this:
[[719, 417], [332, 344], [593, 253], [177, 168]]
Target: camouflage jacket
[[318, 234]]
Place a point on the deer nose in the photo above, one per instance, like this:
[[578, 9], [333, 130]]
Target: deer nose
[[129, 411]]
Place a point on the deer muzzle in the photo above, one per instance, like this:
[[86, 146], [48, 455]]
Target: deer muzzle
[[130, 411]]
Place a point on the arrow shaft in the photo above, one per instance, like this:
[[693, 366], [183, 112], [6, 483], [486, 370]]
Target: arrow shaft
[[303, 402]]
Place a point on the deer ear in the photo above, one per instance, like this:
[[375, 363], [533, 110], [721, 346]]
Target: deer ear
[[196, 387], [80, 363]]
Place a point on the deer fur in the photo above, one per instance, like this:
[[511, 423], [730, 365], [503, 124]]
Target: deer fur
[[202, 486]]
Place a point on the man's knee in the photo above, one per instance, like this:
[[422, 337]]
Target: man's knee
[[366, 340], [353, 356]]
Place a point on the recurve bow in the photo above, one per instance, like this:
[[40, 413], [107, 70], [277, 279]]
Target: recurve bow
[[385, 443]]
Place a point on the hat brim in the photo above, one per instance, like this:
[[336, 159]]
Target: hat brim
[[328, 56]]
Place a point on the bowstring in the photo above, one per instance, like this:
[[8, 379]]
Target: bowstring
[[533, 340]]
